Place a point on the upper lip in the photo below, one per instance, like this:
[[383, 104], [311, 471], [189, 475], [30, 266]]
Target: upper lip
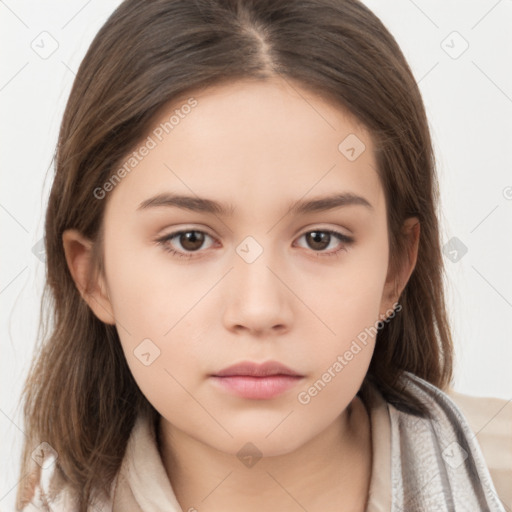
[[257, 369]]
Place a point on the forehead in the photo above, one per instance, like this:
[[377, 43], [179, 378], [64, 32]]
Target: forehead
[[255, 142]]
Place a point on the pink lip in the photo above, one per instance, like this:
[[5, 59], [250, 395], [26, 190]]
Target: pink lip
[[251, 369], [257, 381]]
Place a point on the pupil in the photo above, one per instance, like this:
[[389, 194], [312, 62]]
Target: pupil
[[316, 239], [192, 240]]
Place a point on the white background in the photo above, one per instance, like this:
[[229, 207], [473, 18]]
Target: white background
[[469, 104]]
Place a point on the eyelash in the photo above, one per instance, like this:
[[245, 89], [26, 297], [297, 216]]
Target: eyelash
[[163, 241]]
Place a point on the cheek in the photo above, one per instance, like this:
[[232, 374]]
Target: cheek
[[153, 305], [342, 353], [348, 304], [350, 299], [149, 293]]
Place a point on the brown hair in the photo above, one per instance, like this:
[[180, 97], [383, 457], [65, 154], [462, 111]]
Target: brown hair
[[80, 396]]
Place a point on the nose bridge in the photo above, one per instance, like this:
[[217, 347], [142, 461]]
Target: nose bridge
[[256, 296], [255, 259]]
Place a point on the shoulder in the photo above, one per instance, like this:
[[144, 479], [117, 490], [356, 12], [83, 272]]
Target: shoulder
[[490, 420], [45, 487], [45, 490], [41, 492]]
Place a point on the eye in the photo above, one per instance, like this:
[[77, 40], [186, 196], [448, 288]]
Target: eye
[[190, 240], [320, 239]]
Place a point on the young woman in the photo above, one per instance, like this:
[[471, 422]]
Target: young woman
[[246, 278]]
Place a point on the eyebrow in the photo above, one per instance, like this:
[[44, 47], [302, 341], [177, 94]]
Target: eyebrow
[[203, 205]]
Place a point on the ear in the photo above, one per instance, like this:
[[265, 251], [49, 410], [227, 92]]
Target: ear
[[90, 284], [395, 283]]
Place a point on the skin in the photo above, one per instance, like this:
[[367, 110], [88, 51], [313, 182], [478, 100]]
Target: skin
[[259, 146]]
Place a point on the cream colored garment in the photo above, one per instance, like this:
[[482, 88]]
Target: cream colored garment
[[147, 485], [142, 484], [490, 420]]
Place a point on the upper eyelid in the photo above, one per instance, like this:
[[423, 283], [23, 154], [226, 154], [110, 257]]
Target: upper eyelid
[[302, 232], [201, 230]]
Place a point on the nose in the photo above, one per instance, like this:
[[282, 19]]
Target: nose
[[257, 298]]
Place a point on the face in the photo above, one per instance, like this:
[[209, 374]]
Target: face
[[194, 289]]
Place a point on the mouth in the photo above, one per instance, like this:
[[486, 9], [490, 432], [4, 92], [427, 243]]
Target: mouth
[[250, 369], [256, 381]]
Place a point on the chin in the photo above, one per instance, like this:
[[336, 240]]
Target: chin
[[251, 442]]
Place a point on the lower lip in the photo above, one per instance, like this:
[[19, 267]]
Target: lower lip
[[257, 388]]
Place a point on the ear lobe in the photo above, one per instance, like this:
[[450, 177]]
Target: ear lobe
[[78, 252]]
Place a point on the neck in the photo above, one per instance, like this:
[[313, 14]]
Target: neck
[[330, 472]]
